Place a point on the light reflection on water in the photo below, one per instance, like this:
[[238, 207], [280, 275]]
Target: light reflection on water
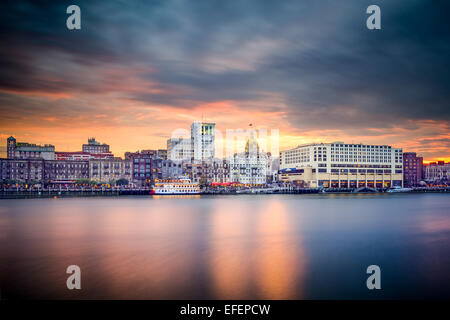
[[227, 247]]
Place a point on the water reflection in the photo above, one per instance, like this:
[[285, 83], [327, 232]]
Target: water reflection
[[281, 260], [255, 252], [261, 247]]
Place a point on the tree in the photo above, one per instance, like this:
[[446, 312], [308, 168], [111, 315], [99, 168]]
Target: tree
[[82, 181], [203, 182], [122, 182]]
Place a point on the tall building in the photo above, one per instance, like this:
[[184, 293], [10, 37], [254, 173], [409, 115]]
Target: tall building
[[341, 165], [202, 136], [412, 169], [95, 147], [24, 150]]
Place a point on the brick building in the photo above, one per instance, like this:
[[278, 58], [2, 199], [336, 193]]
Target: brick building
[[412, 169]]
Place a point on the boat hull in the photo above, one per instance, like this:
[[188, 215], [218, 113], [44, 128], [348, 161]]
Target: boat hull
[[162, 193]]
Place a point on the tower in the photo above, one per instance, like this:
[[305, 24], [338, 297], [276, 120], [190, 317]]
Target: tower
[[202, 137], [11, 146]]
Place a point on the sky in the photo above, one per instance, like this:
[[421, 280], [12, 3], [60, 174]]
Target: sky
[[138, 70]]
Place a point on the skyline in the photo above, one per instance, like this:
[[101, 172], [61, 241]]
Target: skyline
[[222, 143], [311, 70]]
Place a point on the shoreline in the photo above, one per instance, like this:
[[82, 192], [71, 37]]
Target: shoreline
[[32, 194]]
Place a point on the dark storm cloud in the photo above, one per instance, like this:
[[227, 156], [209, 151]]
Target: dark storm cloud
[[316, 57]]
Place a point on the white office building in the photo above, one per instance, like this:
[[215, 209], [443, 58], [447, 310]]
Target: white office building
[[342, 165]]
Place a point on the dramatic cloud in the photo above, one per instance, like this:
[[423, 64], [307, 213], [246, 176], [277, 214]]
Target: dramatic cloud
[[310, 68]]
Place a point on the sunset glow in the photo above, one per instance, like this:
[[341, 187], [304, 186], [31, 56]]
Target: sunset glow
[[133, 78]]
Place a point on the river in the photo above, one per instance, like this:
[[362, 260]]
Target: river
[[308, 246]]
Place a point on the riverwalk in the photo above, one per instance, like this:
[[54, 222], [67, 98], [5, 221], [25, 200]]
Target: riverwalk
[[6, 193]]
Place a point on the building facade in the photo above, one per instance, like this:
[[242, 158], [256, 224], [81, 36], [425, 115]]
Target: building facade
[[143, 166], [171, 169], [207, 171], [21, 170], [24, 150], [65, 171], [412, 169], [251, 167], [110, 170], [203, 140], [341, 165], [43, 171], [216, 171], [179, 149], [437, 172]]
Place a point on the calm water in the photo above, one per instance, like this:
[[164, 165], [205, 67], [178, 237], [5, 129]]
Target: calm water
[[227, 247]]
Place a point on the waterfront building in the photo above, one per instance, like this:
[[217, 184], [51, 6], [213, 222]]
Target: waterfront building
[[202, 136], [274, 170], [192, 170], [65, 171], [215, 171], [251, 167], [412, 169], [24, 150], [437, 172], [207, 171], [109, 170], [95, 147], [145, 166], [43, 171], [171, 169], [21, 170], [342, 165]]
